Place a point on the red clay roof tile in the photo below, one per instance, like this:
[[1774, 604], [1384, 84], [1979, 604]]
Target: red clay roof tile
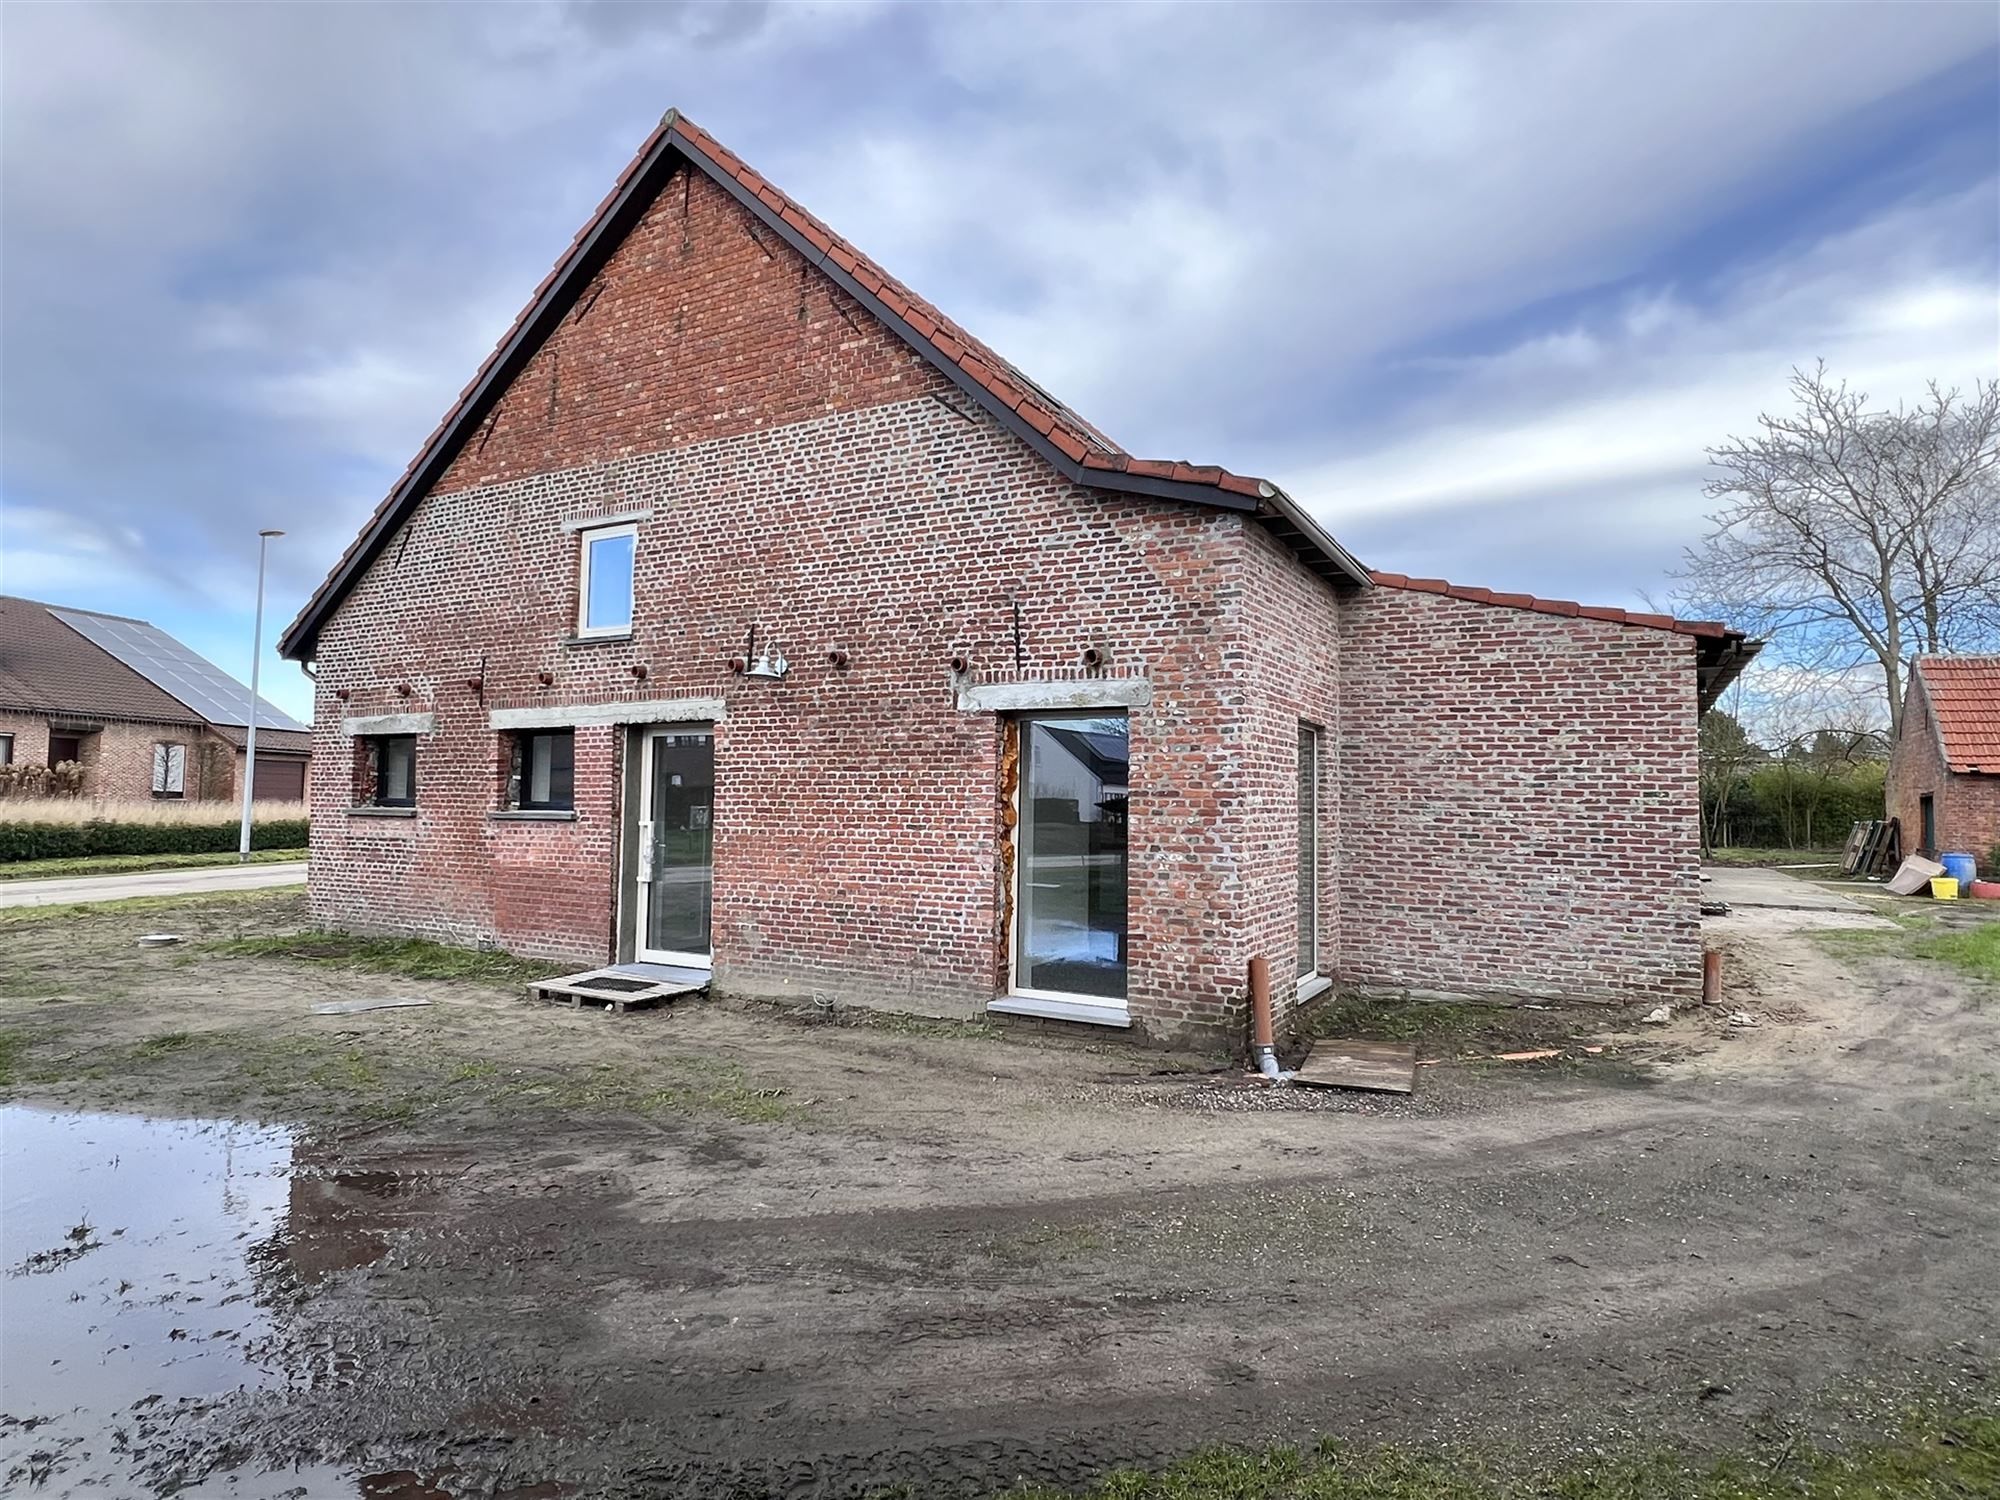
[[1964, 694]]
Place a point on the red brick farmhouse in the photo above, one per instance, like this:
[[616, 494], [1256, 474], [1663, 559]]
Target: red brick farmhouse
[[746, 612], [1944, 774]]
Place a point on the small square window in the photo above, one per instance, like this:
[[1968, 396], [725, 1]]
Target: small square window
[[394, 770], [542, 777], [604, 580], [169, 770]]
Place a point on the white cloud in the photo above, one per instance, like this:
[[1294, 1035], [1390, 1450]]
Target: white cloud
[[1635, 399], [1216, 229]]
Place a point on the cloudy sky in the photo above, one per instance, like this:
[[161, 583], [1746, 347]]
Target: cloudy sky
[[1478, 285]]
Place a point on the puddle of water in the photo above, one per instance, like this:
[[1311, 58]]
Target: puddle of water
[[125, 1244], [142, 1263]]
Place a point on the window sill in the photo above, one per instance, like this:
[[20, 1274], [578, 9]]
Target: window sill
[[533, 815], [609, 638], [381, 812], [1089, 1012], [1312, 986]]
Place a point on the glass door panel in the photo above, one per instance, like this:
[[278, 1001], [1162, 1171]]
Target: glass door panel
[[1070, 857], [677, 869]]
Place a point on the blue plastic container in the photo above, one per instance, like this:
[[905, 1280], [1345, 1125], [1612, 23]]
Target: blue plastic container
[[1960, 867]]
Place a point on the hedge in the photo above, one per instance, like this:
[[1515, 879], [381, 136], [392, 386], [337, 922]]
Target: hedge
[[20, 841]]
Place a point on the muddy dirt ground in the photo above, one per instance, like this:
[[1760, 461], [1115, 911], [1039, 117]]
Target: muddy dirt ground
[[488, 1247]]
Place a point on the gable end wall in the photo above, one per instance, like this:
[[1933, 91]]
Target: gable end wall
[[1519, 803]]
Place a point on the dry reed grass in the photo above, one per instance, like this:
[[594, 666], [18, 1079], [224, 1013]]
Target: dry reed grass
[[72, 810]]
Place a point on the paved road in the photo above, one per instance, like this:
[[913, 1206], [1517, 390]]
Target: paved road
[[151, 883], [1741, 886]]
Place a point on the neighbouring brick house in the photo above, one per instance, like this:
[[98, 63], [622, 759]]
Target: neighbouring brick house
[[1944, 772], [746, 611], [143, 715]]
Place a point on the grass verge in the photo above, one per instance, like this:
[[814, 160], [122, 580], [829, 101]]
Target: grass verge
[[1929, 1457], [206, 905], [135, 864], [410, 958], [1770, 857], [1971, 949]]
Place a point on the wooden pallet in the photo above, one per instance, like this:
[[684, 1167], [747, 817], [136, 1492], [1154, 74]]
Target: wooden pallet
[[610, 990]]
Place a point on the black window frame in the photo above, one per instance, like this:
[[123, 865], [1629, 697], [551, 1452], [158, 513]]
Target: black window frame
[[521, 758], [164, 792], [379, 747]]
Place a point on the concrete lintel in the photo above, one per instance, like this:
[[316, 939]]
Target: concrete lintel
[[615, 518], [389, 724], [647, 711], [1050, 695]]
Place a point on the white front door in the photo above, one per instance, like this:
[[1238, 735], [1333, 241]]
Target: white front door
[[676, 872]]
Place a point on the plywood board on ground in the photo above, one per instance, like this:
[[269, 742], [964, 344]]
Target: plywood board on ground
[[1387, 1067], [1917, 872]]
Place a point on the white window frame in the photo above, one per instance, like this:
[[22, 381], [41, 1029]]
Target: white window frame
[[584, 538], [6, 749]]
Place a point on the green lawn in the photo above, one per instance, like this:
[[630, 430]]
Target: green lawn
[[1931, 1457], [135, 864], [1972, 949]]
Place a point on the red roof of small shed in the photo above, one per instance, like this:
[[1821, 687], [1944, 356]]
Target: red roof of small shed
[[1964, 694]]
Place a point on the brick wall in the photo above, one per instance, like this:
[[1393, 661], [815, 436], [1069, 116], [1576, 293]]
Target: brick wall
[[1290, 640], [1519, 802], [1967, 805]]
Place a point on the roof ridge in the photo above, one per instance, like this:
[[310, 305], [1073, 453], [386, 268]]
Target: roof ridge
[[74, 609]]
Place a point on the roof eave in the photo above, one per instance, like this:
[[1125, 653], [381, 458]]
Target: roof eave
[[1727, 656]]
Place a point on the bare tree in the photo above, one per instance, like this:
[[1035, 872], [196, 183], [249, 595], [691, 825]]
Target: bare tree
[[1859, 537]]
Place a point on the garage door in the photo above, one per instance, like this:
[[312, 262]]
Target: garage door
[[280, 780]]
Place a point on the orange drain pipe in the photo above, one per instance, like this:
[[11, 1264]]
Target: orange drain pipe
[[1263, 1048], [1711, 978]]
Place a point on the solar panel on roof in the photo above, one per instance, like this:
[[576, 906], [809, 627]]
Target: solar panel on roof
[[171, 667]]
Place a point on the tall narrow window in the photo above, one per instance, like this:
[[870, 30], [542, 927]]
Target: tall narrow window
[[1308, 851], [1070, 929], [6, 749], [170, 770], [544, 771], [604, 581], [1927, 812]]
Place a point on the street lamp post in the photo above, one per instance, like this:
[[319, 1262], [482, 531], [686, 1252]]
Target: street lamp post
[[250, 739]]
